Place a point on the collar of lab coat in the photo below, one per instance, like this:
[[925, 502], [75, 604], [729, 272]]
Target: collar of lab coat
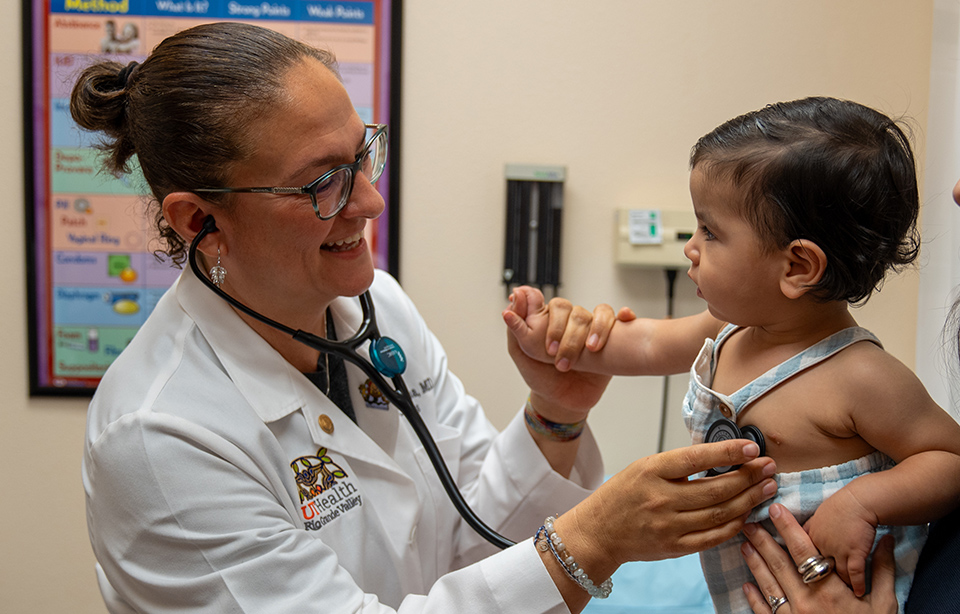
[[272, 385]]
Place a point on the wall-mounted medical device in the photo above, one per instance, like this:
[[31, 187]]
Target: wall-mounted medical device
[[654, 238], [534, 208]]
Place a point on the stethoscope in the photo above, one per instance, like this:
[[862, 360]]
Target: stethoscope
[[387, 360]]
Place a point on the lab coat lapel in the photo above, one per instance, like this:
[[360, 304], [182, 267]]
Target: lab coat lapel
[[272, 386], [378, 423], [396, 502], [261, 375], [341, 433]]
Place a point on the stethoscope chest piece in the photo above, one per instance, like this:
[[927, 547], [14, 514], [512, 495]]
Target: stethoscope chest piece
[[724, 429], [387, 357]]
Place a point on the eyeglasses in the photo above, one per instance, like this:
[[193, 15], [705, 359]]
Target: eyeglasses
[[331, 191]]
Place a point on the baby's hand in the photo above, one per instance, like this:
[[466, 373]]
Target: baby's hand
[[527, 318], [842, 528]]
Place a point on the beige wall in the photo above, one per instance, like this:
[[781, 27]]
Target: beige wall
[[616, 90]]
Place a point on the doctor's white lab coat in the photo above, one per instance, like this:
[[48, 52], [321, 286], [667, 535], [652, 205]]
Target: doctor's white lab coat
[[219, 479]]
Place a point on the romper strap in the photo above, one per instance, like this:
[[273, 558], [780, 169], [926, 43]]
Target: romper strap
[[809, 357]]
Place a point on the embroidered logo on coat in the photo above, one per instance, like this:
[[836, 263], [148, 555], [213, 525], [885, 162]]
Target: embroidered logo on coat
[[315, 474], [372, 396], [325, 490]]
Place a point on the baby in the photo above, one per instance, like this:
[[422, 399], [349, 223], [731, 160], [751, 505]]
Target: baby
[[802, 208]]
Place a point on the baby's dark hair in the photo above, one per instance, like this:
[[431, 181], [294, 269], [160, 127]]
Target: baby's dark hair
[[186, 112], [833, 172]]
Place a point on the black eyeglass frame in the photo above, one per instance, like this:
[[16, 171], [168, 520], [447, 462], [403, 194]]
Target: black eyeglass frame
[[353, 169]]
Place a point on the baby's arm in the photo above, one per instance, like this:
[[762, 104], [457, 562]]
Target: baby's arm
[[641, 346], [895, 415]]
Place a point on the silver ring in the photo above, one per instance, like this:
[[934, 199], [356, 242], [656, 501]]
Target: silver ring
[[818, 570], [775, 603], [803, 567]]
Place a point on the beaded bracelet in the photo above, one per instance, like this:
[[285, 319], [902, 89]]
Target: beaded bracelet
[[554, 430], [547, 538]]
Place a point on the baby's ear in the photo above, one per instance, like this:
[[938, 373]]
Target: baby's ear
[[806, 264]]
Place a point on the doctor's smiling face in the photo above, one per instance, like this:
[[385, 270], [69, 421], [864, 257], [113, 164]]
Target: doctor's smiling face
[[279, 256]]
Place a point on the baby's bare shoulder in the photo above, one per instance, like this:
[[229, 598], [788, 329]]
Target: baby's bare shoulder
[[874, 376]]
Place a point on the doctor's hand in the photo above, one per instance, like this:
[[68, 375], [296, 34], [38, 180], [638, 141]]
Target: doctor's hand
[[651, 511], [543, 334]]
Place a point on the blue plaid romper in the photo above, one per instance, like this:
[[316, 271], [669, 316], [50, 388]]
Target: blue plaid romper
[[801, 492]]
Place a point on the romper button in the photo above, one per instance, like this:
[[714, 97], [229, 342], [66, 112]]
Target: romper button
[[725, 411], [325, 423]]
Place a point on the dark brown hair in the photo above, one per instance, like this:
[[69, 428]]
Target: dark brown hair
[[186, 111], [834, 172]]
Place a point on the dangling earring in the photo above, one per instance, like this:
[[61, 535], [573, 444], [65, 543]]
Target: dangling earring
[[218, 273]]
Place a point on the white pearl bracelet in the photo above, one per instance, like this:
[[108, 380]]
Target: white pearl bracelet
[[550, 540]]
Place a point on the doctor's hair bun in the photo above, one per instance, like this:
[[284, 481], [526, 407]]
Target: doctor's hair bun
[[98, 103]]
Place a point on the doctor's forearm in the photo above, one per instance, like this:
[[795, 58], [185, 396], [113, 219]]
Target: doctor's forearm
[[559, 443], [585, 550], [560, 455]]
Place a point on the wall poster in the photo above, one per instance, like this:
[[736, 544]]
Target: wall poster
[[93, 278]]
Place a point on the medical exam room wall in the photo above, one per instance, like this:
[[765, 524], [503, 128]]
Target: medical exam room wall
[[615, 90]]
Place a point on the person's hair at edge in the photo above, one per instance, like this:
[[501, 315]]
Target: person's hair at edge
[[186, 110], [951, 342], [833, 172]]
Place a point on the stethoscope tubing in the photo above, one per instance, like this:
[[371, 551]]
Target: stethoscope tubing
[[398, 394]]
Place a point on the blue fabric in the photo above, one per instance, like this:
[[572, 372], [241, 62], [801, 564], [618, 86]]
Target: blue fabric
[[673, 586]]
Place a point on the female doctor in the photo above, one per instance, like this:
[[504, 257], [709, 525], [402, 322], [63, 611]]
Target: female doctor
[[230, 468]]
